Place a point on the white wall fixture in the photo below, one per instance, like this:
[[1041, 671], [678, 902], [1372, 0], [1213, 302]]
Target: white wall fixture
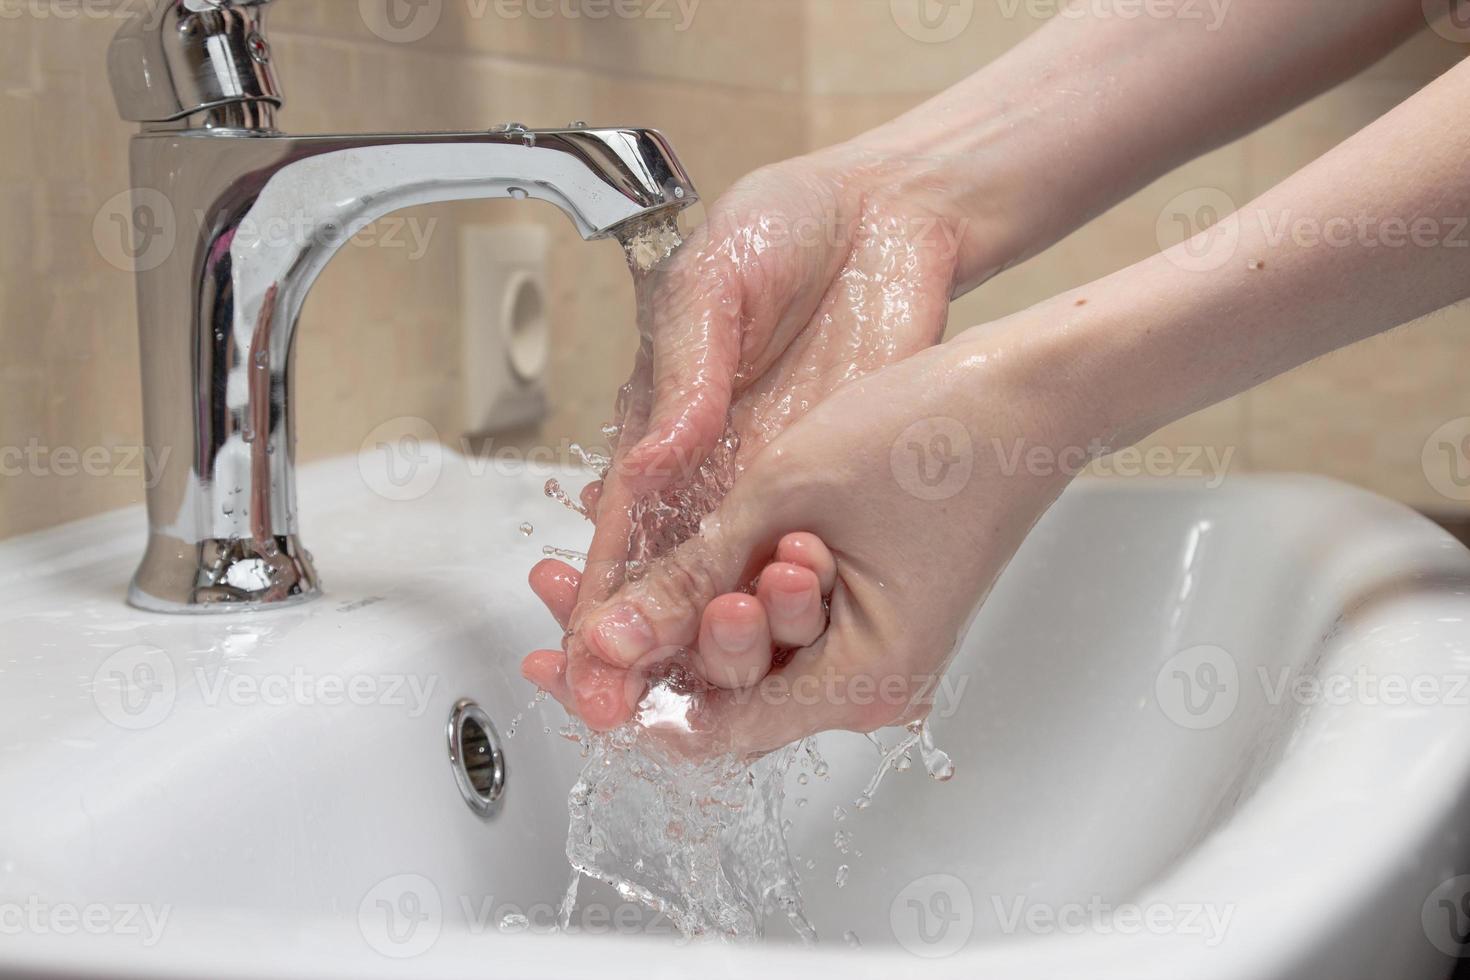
[[507, 328]]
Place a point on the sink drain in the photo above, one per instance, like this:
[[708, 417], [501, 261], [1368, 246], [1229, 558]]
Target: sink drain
[[476, 757]]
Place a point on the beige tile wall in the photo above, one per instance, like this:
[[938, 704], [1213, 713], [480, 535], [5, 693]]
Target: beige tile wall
[[742, 83]]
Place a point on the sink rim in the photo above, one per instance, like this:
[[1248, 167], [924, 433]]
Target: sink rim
[[458, 951]]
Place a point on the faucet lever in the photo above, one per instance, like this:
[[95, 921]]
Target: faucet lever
[[195, 64]]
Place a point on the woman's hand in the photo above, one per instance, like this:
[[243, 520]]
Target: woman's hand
[[891, 498], [806, 276]]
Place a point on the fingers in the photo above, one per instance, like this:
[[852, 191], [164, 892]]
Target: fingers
[[792, 598], [590, 495], [663, 609], [547, 669], [607, 555], [734, 642], [792, 587], [806, 549], [603, 696], [555, 583], [696, 333]]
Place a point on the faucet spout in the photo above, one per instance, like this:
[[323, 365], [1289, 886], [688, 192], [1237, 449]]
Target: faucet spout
[[218, 315]]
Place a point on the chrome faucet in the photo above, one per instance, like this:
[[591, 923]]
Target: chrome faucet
[[217, 316]]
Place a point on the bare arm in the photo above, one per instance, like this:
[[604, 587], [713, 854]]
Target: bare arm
[[1092, 107], [1372, 235]]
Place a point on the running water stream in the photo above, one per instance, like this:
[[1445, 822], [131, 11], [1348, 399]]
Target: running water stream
[[703, 841]]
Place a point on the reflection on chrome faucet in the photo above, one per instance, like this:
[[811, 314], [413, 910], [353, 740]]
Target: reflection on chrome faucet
[[217, 314]]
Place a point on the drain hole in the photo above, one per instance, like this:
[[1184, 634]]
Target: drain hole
[[475, 754], [479, 758]]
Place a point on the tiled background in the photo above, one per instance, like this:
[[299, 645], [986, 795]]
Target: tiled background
[[741, 84]]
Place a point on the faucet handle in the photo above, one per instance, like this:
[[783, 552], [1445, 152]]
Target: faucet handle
[[183, 58]]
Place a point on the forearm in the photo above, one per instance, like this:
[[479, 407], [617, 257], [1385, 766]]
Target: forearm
[[1096, 105], [1370, 236]]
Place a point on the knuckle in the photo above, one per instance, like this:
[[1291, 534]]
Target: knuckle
[[684, 587]]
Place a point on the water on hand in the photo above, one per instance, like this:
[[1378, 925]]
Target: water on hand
[[702, 841]]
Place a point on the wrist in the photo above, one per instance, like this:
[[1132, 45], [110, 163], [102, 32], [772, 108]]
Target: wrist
[[979, 206]]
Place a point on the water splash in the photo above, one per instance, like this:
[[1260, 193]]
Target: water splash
[[555, 492], [936, 760], [701, 840], [565, 554]]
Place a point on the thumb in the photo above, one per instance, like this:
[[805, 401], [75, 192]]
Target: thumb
[[661, 609]]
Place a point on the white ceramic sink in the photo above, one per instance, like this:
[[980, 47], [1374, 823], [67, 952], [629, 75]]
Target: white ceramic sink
[[1135, 730]]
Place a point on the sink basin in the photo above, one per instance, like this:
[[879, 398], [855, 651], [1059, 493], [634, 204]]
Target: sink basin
[[1198, 732]]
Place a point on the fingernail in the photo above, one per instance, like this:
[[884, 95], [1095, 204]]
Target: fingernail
[[623, 635], [735, 635], [789, 605]]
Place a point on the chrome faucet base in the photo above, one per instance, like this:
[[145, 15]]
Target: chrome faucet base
[[255, 216], [220, 575]]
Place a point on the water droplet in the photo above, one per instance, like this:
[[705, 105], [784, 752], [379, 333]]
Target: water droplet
[[840, 879], [526, 529], [514, 922], [851, 939]]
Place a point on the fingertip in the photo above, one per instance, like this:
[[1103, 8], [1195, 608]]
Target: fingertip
[[734, 641], [602, 696], [547, 669], [809, 551], [792, 596], [553, 570], [590, 495], [555, 584]]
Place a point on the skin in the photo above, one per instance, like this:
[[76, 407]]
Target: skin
[[1103, 366]]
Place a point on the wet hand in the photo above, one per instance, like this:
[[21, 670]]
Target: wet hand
[[872, 527]]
